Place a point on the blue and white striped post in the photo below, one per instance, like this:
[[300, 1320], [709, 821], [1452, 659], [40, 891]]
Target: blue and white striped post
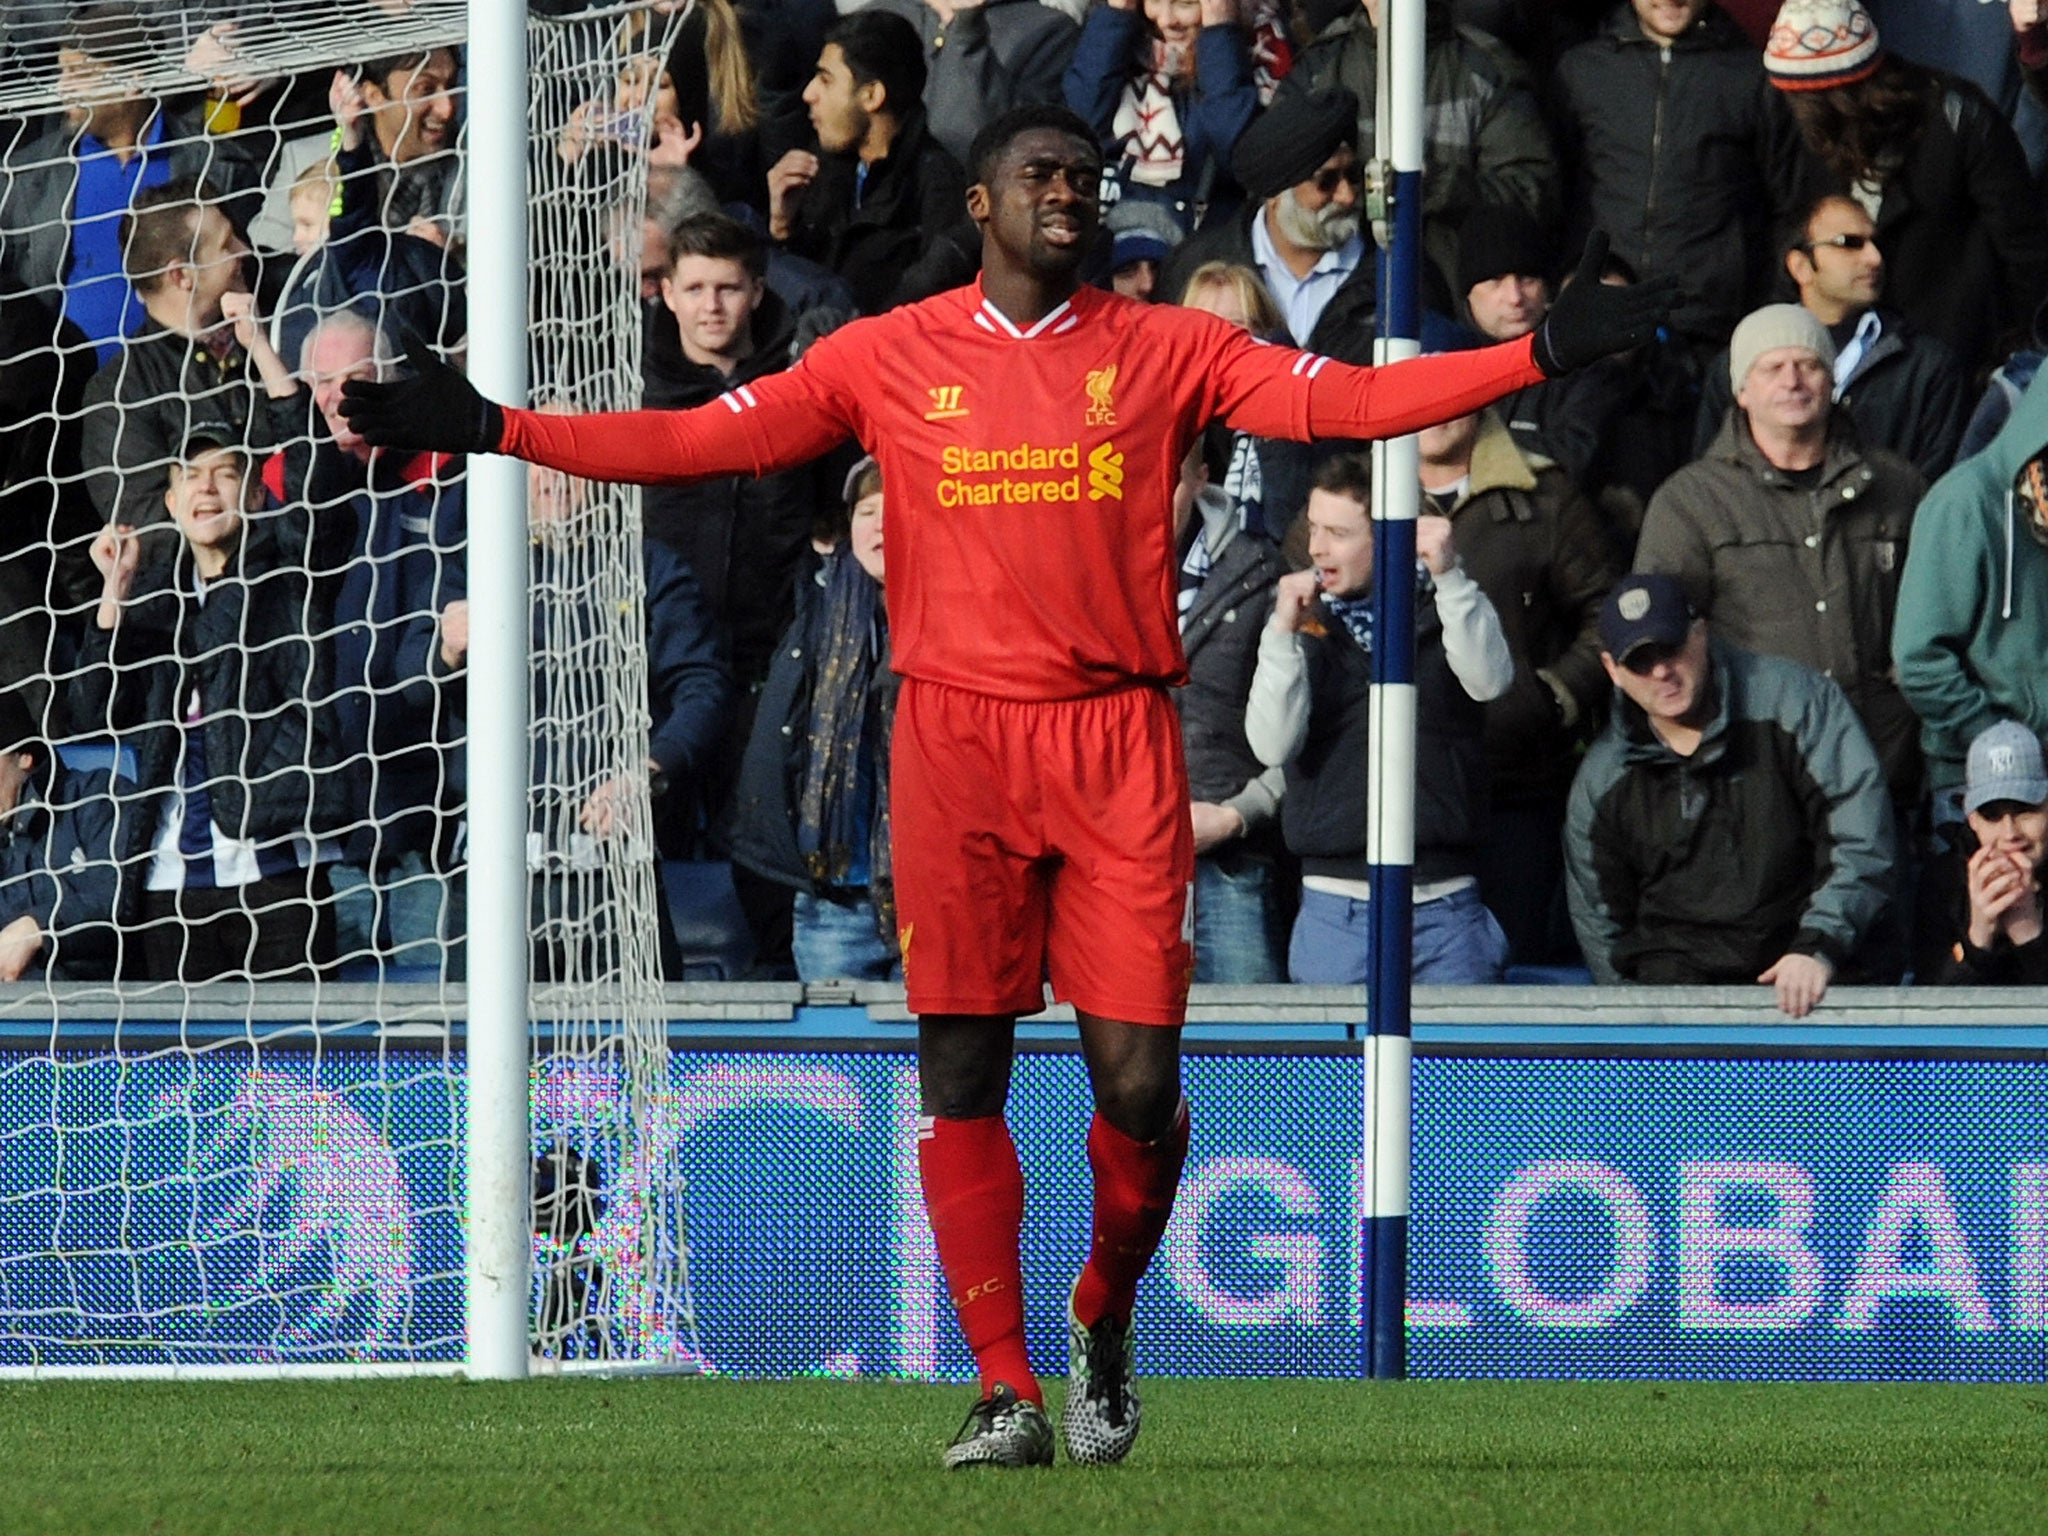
[[1390, 777]]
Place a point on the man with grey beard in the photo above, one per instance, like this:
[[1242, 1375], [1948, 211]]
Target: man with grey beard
[[1300, 226]]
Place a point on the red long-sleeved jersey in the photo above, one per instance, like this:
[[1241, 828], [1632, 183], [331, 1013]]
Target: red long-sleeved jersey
[[1029, 474]]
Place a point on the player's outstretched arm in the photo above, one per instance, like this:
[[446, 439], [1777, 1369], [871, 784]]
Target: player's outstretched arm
[[770, 424]]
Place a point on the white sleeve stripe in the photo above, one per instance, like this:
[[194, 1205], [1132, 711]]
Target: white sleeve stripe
[[731, 403], [747, 395], [1317, 366]]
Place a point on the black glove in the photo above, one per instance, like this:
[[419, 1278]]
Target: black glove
[[1592, 319], [434, 408]]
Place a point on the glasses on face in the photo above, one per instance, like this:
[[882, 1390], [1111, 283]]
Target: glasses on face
[[1325, 181], [1841, 242], [1645, 659]]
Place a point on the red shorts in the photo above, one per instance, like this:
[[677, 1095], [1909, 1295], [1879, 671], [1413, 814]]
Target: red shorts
[[1042, 838]]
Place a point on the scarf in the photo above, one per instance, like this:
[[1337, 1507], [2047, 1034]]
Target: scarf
[[1147, 124], [1355, 614], [853, 707]]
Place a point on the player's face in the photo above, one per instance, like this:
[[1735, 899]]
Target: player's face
[[713, 299], [1666, 682], [1340, 543], [1039, 205], [839, 111], [1788, 389], [865, 537], [2012, 827], [1508, 306], [206, 498]]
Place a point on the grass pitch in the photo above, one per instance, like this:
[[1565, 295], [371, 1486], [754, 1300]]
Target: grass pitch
[[1266, 1458]]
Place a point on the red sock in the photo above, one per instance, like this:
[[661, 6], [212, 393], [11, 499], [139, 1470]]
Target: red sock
[[974, 1194], [1135, 1182]]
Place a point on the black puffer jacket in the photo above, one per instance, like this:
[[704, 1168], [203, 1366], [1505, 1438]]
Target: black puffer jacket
[[1686, 156], [1221, 638]]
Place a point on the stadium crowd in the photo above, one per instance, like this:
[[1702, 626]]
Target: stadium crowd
[[1732, 654]]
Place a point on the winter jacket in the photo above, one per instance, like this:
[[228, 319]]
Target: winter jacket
[[1910, 394], [58, 865], [280, 760], [1344, 329], [1810, 575], [1567, 419], [430, 187], [1972, 622], [987, 59], [1964, 239], [41, 182], [1213, 112], [1955, 961], [1220, 634], [764, 833], [1484, 139], [139, 409], [745, 538], [1773, 838], [1685, 155], [1535, 547], [906, 240], [1323, 814]]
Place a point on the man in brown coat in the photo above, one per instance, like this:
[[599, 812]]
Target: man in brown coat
[[1791, 535]]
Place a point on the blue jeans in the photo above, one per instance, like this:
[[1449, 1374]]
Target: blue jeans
[[1239, 935], [401, 912], [1456, 941], [835, 943]]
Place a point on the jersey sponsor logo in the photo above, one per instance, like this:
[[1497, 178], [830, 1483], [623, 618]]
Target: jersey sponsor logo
[[1105, 472], [1101, 408], [946, 404], [1027, 473]]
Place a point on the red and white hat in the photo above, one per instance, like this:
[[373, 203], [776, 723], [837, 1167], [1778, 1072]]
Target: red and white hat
[[1815, 44]]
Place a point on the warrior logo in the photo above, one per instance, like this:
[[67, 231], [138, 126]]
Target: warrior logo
[[946, 404]]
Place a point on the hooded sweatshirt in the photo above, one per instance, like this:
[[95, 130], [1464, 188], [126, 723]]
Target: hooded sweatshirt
[[1971, 631]]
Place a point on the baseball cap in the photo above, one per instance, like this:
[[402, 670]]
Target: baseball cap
[[2005, 764], [207, 436], [1644, 610]]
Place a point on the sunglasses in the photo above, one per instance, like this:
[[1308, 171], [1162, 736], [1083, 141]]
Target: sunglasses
[[1645, 659], [1841, 243], [1326, 181]]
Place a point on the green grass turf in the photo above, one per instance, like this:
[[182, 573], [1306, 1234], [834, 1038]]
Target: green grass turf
[[596, 1458]]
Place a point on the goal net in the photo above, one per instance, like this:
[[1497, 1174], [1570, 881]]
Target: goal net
[[233, 666]]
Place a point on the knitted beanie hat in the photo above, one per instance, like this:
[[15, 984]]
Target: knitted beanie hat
[[1815, 44], [1773, 326]]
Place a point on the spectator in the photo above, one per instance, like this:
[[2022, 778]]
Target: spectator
[[743, 537], [184, 258], [983, 57], [1308, 712], [582, 800], [1142, 235], [879, 202], [64, 192], [1974, 39], [404, 523], [1266, 478], [58, 879], [715, 95], [1790, 535], [1228, 578], [1536, 549], [1933, 162], [1504, 261], [414, 170], [1905, 391], [1670, 95], [813, 810], [207, 666], [1168, 88], [1990, 881], [1300, 231], [1972, 621], [1484, 139], [1731, 824]]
